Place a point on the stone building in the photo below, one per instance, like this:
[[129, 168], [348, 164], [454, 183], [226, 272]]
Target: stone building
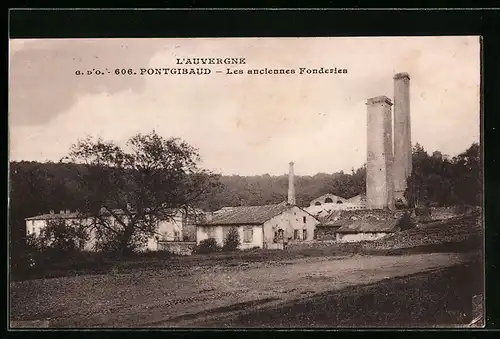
[[267, 226]]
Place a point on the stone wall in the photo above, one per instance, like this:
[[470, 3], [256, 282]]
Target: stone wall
[[177, 247]]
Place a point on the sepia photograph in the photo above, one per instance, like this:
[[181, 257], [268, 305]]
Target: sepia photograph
[[292, 183]]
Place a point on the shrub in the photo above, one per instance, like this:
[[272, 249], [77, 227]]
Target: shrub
[[60, 238], [232, 241], [399, 204], [405, 222], [207, 246]]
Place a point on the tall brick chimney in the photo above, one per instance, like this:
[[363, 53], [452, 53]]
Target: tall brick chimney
[[379, 189], [402, 134], [291, 185]]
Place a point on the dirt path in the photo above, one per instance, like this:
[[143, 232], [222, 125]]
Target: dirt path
[[187, 299]]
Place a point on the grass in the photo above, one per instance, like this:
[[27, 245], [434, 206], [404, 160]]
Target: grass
[[433, 299]]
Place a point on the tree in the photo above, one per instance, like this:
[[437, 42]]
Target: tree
[[416, 191], [439, 181], [62, 237], [128, 191], [468, 174], [207, 246], [232, 241]]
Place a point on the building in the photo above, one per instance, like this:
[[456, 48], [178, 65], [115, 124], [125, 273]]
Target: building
[[360, 225], [327, 199], [267, 226], [324, 205], [179, 227], [35, 225], [358, 200]]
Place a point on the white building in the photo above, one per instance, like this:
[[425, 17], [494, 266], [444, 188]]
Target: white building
[[267, 226], [180, 226], [359, 225], [324, 205]]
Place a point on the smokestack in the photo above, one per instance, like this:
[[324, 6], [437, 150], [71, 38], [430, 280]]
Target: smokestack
[[291, 185], [402, 134], [379, 189]]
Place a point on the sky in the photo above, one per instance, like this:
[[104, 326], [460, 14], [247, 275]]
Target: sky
[[241, 123]]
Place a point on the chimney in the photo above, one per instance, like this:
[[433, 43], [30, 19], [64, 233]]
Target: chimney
[[51, 212], [291, 185], [379, 189], [402, 134], [209, 216]]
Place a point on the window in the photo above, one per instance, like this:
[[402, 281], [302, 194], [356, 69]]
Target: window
[[328, 200], [304, 219], [317, 203], [248, 234], [304, 234], [315, 234], [177, 236], [281, 234], [339, 201], [295, 234]]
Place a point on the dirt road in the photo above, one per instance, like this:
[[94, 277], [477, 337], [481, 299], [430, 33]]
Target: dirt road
[[195, 298]]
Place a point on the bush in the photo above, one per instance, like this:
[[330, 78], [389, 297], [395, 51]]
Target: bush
[[399, 204], [405, 223], [232, 241], [207, 246]]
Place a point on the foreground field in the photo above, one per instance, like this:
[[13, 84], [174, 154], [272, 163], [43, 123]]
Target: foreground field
[[433, 299], [201, 295]]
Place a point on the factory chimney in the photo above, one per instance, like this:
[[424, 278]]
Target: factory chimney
[[379, 185], [291, 185], [402, 134]]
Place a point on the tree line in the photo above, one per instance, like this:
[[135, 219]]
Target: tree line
[[442, 181]]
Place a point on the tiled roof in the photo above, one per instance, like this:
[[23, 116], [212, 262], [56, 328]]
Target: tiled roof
[[77, 215], [246, 215], [362, 221], [74, 215], [57, 216]]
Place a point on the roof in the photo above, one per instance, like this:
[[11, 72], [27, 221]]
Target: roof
[[362, 221], [52, 216], [247, 215], [79, 215], [74, 215], [329, 195]]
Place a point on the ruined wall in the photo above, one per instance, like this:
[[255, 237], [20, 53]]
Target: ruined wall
[[379, 182], [354, 237]]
